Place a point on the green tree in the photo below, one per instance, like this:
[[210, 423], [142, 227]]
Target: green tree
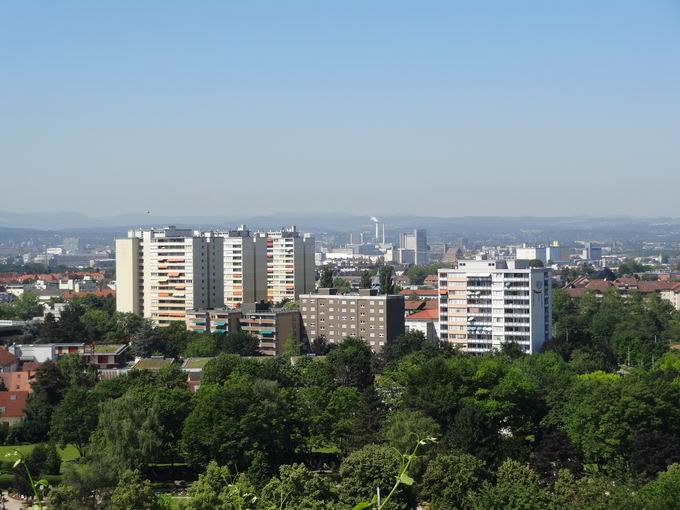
[[517, 487], [218, 489], [218, 370], [366, 280], [25, 307], [403, 427], [364, 470], [233, 422], [338, 419], [417, 274], [98, 323], [386, 277], [326, 279], [74, 418], [352, 363], [129, 432], [451, 480], [343, 286], [133, 493], [664, 492], [298, 488]]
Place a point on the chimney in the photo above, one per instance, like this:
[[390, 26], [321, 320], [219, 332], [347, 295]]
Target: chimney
[[383, 233]]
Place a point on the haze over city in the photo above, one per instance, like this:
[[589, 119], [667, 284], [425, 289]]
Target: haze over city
[[241, 109]]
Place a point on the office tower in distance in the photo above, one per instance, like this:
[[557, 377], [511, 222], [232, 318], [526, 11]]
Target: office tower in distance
[[72, 245], [162, 273], [592, 251], [417, 242], [291, 269], [245, 267], [486, 303], [532, 253]]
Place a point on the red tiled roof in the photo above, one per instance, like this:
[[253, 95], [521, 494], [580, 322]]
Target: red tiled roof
[[8, 277], [14, 403], [599, 285], [99, 293], [31, 366], [413, 304], [47, 277], [431, 304], [6, 358], [423, 315], [576, 293]]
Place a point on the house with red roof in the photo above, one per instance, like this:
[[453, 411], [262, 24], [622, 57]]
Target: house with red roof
[[426, 321], [667, 290], [12, 406], [8, 361]]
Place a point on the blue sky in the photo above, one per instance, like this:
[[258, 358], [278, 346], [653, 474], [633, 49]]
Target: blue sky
[[429, 108]]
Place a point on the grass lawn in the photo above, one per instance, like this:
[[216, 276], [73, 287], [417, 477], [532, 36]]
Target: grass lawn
[[7, 452]]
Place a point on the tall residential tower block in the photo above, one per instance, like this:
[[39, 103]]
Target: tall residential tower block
[[162, 273], [245, 267], [291, 269], [484, 304]]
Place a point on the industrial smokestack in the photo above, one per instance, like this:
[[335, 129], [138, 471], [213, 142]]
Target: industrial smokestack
[[383, 233], [377, 230]]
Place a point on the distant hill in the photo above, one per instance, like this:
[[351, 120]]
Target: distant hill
[[483, 229]]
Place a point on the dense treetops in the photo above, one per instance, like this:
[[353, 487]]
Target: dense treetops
[[578, 426]]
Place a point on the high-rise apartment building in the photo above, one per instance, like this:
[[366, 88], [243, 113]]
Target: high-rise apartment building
[[245, 267], [378, 319], [162, 273], [486, 303], [290, 266], [417, 241]]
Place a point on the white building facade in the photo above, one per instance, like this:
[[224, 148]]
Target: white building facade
[[486, 303]]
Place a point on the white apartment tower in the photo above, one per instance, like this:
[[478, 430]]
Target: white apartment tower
[[486, 303], [290, 265], [245, 267], [162, 273]]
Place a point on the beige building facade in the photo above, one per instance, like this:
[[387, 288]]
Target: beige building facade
[[378, 319], [162, 273]]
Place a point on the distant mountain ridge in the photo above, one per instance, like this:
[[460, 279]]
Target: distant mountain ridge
[[343, 223]]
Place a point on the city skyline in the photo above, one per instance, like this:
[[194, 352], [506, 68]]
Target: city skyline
[[352, 108]]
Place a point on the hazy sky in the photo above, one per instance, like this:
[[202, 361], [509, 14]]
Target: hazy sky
[[432, 108]]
